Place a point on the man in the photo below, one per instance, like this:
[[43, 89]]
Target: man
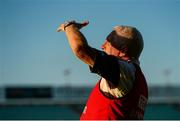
[[122, 91]]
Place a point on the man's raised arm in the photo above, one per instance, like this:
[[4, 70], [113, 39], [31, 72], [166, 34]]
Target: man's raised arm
[[78, 42]]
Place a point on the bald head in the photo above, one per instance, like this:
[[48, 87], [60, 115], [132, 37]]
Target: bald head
[[127, 39]]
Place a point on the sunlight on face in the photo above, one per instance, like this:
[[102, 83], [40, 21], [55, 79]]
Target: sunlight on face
[[109, 49]]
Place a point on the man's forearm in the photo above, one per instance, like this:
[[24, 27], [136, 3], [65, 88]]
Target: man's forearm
[[75, 38], [79, 45]]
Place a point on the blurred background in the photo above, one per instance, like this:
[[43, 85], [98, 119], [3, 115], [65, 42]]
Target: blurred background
[[40, 78]]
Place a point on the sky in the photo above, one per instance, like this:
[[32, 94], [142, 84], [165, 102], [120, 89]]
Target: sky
[[33, 53]]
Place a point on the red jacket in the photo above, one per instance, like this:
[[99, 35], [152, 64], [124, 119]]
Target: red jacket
[[131, 106]]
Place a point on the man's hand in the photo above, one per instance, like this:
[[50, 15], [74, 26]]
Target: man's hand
[[63, 26]]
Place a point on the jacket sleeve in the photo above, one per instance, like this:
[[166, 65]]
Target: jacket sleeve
[[107, 67]]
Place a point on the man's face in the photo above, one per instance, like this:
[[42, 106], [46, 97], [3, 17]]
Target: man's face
[[106, 47], [109, 49]]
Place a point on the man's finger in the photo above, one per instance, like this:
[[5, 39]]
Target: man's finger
[[58, 29], [85, 23]]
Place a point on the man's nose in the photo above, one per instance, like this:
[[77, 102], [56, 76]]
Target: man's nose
[[102, 46]]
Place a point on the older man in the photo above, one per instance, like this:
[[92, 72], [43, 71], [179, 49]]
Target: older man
[[122, 91]]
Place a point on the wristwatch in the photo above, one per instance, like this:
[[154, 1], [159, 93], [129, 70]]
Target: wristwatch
[[68, 23]]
